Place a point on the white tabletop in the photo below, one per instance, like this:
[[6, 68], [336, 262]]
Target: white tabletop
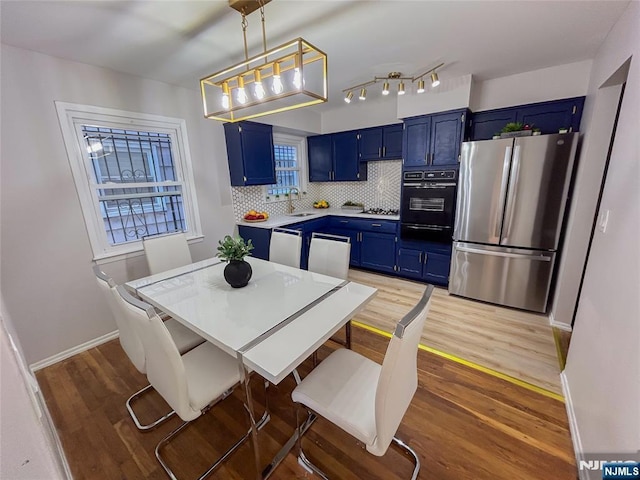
[[233, 318]]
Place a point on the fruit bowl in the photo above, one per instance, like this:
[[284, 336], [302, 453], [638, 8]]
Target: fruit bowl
[[321, 204], [252, 216]]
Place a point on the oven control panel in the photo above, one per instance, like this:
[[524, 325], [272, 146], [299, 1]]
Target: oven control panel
[[430, 175]]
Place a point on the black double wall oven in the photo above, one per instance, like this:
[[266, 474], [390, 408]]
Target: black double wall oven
[[428, 205]]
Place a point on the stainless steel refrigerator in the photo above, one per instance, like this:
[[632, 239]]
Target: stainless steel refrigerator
[[512, 195]]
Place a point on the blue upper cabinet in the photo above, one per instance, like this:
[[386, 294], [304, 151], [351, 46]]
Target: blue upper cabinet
[[549, 117], [334, 158], [417, 132], [392, 142], [446, 138], [381, 143], [250, 153], [434, 140], [371, 144], [320, 158]]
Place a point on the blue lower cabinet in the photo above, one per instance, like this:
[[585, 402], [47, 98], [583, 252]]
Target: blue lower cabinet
[[378, 251], [260, 238], [410, 262], [428, 261], [437, 268]]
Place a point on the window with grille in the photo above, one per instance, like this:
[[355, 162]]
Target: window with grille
[[290, 158], [134, 178]]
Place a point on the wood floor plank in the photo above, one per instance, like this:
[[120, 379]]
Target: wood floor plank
[[517, 343]]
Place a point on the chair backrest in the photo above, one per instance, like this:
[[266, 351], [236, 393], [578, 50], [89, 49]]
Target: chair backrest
[[330, 255], [285, 247], [165, 252], [128, 334], [165, 368], [399, 375]]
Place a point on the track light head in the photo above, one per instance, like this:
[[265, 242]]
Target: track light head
[[434, 80], [363, 94], [348, 97]]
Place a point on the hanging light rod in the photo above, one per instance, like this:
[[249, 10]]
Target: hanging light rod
[[397, 76]]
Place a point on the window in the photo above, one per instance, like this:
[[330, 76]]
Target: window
[[290, 156], [132, 173]]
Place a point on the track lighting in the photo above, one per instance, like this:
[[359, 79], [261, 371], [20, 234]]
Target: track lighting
[[391, 77], [434, 80]]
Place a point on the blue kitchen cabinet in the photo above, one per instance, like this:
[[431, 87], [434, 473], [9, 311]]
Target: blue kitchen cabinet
[[381, 143], [417, 132], [434, 140], [446, 138], [260, 238], [549, 117], [250, 153], [485, 124], [346, 164], [334, 158], [320, 158], [428, 261], [371, 144], [378, 251]]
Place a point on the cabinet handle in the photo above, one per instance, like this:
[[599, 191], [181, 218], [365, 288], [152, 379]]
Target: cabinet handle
[[420, 258], [379, 151], [344, 221], [245, 178], [425, 258], [376, 224], [384, 151]]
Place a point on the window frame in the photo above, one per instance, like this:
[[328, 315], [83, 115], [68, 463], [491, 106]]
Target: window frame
[[301, 144], [71, 117]]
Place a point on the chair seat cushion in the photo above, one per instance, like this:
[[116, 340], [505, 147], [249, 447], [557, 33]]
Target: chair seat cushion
[[342, 389], [210, 372], [184, 338]]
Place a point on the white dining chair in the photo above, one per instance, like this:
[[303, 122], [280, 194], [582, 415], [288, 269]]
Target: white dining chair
[[285, 247], [329, 255], [363, 398], [165, 252], [131, 343], [191, 383]]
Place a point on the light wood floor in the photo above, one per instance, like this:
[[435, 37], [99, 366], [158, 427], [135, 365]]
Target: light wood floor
[[463, 423], [513, 342]]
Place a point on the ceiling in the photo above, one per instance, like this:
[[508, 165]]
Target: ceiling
[[178, 42]]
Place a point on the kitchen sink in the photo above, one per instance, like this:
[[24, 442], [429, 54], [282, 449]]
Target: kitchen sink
[[304, 214]]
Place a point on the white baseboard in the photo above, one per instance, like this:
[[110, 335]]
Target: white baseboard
[[573, 426], [73, 351], [559, 325]]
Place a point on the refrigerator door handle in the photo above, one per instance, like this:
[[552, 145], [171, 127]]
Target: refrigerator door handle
[[503, 192], [535, 256], [512, 193]]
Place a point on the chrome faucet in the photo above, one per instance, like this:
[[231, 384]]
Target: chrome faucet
[[291, 190]]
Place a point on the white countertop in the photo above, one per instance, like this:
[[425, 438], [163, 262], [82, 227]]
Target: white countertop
[[282, 220]]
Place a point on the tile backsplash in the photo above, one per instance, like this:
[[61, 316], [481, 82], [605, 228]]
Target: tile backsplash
[[381, 190]]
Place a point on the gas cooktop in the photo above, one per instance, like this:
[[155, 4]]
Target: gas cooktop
[[381, 211]]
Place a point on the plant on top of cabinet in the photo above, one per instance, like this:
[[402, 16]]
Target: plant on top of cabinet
[[250, 153]]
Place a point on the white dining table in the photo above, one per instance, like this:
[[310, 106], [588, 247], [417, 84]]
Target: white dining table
[[271, 325]]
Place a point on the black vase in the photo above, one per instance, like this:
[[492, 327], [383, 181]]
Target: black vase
[[237, 273]]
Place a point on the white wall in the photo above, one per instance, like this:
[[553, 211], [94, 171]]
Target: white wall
[[370, 113], [46, 275], [452, 93], [603, 365], [554, 83]]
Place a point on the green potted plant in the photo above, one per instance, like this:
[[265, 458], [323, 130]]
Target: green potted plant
[[233, 250], [515, 129]]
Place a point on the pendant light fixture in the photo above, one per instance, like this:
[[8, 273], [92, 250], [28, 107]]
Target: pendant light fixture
[[394, 76], [290, 76]]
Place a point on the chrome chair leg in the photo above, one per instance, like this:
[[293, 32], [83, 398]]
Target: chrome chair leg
[[412, 453], [135, 418], [300, 430]]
